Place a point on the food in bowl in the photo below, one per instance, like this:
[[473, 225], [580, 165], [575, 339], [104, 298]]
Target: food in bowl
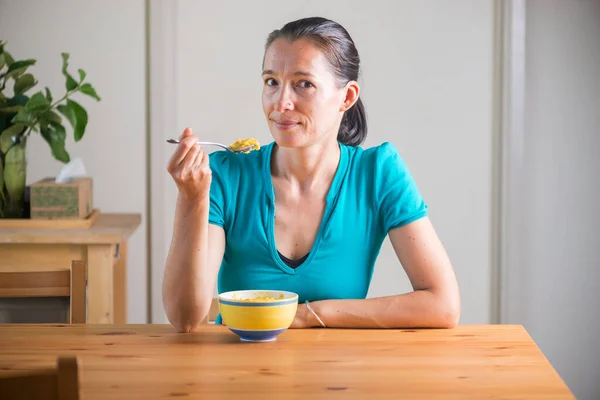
[[241, 143], [260, 298], [258, 315]]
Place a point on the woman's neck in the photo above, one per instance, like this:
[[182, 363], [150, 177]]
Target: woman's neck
[[308, 166]]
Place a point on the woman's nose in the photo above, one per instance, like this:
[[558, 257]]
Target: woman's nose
[[284, 101]]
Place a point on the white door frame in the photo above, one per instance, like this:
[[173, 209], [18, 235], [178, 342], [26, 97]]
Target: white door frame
[[162, 92], [510, 111]]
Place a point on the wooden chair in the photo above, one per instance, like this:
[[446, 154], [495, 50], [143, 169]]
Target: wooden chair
[[70, 283], [60, 383]]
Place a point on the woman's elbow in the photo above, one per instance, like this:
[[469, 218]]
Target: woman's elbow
[[450, 320], [450, 311], [185, 319], [185, 324], [445, 309]]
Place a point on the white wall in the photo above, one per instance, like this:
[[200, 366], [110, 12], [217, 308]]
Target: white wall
[[106, 39], [559, 269], [427, 86]]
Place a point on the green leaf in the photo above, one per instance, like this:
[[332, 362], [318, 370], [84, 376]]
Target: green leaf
[[87, 88], [55, 135], [52, 117], [81, 118], [77, 117], [23, 117], [21, 64], [81, 75], [17, 68], [71, 82], [2, 61], [24, 83], [2, 43], [19, 100], [6, 137], [5, 121], [60, 131], [37, 102], [65, 64], [8, 58], [60, 152], [49, 117], [69, 114], [10, 109], [48, 95]]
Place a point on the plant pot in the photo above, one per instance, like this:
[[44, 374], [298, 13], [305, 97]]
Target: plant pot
[[13, 175]]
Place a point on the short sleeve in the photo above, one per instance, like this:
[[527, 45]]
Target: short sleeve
[[218, 166], [400, 201]]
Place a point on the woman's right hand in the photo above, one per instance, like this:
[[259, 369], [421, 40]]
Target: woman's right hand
[[189, 168]]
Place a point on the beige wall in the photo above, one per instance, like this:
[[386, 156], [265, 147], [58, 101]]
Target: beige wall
[[106, 39]]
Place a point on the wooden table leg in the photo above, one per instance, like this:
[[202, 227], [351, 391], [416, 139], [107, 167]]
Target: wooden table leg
[[120, 285], [100, 260]]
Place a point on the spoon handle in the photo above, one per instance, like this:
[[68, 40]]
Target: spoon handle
[[202, 143]]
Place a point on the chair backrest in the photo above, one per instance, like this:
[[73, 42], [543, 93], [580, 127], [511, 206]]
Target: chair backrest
[[78, 292], [60, 383], [72, 283]]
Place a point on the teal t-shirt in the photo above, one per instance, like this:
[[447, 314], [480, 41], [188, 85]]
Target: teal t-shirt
[[371, 193]]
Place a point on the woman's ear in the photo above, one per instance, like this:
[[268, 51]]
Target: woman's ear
[[352, 91]]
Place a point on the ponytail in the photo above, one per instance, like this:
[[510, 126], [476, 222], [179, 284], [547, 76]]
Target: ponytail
[[353, 129]]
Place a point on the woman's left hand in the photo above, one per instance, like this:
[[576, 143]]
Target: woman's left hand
[[303, 319]]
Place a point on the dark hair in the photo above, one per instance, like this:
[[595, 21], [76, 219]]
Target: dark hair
[[341, 53]]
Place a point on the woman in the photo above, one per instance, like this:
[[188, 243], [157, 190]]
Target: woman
[[307, 213]]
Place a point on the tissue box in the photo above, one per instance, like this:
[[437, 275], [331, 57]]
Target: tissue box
[[71, 200]]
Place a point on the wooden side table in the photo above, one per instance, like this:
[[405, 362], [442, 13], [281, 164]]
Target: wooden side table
[[103, 246]]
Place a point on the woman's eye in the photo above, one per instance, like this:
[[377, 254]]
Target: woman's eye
[[270, 82], [305, 84]]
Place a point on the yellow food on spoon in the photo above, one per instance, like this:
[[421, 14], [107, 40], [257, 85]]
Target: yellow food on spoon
[[241, 143]]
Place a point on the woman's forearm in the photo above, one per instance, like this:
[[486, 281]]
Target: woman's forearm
[[187, 285], [418, 309]]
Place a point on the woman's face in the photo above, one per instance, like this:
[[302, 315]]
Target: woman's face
[[301, 97]]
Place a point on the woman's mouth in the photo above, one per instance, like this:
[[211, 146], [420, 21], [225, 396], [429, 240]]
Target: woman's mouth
[[286, 125]]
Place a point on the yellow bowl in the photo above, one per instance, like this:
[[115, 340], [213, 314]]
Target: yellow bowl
[[258, 315]]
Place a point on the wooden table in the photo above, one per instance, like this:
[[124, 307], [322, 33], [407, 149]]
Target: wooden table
[[152, 362], [103, 246]]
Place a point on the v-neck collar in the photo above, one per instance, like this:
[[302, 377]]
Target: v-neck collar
[[330, 199]]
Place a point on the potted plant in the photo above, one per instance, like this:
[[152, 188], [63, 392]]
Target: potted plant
[[20, 115]]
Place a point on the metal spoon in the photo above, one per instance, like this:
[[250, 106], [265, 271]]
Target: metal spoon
[[240, 150]]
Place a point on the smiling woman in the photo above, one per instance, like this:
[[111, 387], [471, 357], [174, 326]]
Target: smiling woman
[[307, 213], [323, 85]]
